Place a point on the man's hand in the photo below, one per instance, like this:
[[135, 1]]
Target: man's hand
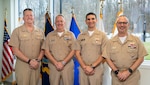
[[59, 66], [34, 64], [89, 70], [123, 75]]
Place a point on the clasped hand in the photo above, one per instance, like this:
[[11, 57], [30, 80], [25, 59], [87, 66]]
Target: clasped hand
[[88, 70], [59, 66], [34, 64], [123, 75]]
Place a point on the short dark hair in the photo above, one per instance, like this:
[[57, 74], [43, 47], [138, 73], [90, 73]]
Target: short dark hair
[[27, 9], [90, 13]]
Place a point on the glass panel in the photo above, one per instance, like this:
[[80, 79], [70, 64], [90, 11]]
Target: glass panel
[[137, 10], [39, 8]]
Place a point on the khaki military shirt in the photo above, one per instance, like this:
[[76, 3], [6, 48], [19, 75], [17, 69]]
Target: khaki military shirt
[[58, 46], [91, 47], [29, 43], [124, 55]]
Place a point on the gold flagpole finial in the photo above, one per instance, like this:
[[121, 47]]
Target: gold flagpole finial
[[121, 5], [72, 10], [47, 9], [101, 8]]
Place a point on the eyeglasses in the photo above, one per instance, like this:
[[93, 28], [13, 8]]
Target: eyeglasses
[[122, 23]]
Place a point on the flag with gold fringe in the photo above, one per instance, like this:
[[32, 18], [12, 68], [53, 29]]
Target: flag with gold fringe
[[45, 71], [75, 29], [7, 59], [101, 24]]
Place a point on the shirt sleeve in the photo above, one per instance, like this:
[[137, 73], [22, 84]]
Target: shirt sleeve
[[14, 39]]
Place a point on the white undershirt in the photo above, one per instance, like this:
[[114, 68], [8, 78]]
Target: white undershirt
[[90, 32], [122, 39], [60, 33]]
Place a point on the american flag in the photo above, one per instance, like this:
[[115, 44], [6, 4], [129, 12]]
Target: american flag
[[7, 60]]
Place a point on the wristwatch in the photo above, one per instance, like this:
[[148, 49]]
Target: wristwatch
[[63, 62], [37, 60], [130, 70], [29, 61], [93, 66], [116, 72]]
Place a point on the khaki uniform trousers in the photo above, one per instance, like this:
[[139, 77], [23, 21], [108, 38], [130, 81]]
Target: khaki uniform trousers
[[95, 79], [132, 79], [67, 74], [25, 75]]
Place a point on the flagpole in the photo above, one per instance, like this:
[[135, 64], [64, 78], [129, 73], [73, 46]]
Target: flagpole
[[48, 7], [5, 18], [121, 5], [101, 8], [72, 11], [5, 12], [60, 6]]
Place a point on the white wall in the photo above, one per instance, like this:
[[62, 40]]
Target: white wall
[[145, 73], [1, 31]]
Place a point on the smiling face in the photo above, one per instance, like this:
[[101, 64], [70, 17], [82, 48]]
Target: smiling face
[[122, 25], [91, 21], [28, 17], [60, 23]]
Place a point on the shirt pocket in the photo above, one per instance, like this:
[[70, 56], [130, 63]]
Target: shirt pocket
[[24, 37], [68, 41], [52, 41], [132, 52], [39, 37], [24, 41], [114, 54], [83, 42], [97, 42]]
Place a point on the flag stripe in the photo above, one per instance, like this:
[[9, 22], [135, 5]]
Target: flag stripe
[[5, 64], [7, 52]]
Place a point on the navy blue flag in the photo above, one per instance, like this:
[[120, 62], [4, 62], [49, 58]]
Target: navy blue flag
[[45, 71], [48, 25], [75, 29]]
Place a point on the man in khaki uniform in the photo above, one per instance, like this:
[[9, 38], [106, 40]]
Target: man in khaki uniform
[[26, 42], [124, 53], [89, 47], [59, 50]]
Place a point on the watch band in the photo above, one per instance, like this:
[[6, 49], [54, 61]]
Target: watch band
[[116, 72], [37, 60], [130, 70], [63, 62], [29, 61], [93, 66]]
